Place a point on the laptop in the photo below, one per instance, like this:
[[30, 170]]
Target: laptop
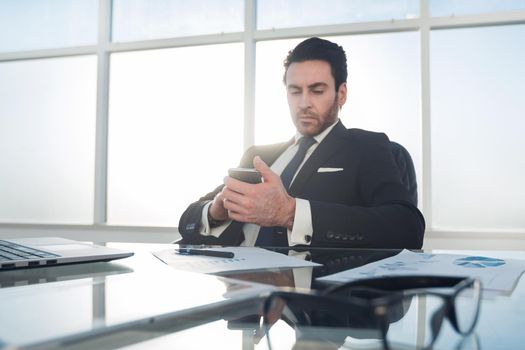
[[47, 251]]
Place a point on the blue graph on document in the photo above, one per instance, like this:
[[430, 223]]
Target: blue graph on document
[[479, 262]]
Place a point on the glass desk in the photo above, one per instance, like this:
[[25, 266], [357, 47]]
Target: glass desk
[[52, 306], [141, 303]]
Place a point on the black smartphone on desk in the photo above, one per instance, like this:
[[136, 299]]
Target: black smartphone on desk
[[248, 175]]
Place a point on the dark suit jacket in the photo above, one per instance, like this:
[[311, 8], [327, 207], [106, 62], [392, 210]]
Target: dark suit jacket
[[365, 205]]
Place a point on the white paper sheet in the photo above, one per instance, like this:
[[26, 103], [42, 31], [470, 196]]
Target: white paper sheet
[[246, 258], [495, 273]]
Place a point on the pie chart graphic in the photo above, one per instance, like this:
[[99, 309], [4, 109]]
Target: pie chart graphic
[[479, 262]]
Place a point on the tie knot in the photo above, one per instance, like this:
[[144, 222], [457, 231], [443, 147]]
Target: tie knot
[[305, 142]]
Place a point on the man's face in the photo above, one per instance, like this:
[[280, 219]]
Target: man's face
[[312, 98]]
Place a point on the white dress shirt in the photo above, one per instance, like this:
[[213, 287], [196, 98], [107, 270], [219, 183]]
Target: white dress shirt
[[302, 226]]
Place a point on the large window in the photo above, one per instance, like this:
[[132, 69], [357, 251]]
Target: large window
[[44, 24], [478, 121], [467, 7], [157, 19], [175, 126], [273, 14], [47, 140], [119, 113]]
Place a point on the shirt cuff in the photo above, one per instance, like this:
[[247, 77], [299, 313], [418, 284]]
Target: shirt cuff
[[302, 229], [205, 228]]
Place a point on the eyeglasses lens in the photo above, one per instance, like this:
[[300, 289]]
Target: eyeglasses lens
[[415, 322]]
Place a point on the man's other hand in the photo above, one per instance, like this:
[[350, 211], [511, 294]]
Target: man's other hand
[[217, 210]]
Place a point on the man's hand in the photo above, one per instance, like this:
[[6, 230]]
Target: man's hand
[[216, 209], [264, 204]]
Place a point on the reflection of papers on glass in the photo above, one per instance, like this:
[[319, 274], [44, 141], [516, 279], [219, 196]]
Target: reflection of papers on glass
[[246, 258], [495, 274]]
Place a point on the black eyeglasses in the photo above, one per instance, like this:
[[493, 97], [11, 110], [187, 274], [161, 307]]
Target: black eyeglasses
[[404, 311]]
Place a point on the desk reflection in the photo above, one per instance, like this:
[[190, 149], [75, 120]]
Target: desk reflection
[[306, 328], [38, 275], [42, 305], [63, 306], [331, 260]]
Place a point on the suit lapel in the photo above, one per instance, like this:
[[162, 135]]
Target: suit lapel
[[330, 145]]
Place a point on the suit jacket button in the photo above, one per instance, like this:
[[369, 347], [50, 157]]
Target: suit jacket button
[[329, 234], [307, 238]]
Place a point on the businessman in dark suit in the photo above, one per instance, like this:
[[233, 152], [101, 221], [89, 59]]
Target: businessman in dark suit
[[327, 187]]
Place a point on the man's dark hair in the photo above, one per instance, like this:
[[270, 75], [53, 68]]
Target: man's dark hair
[[323, 50]]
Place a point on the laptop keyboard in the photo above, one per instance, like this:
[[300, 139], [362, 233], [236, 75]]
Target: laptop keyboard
[[11, 251]]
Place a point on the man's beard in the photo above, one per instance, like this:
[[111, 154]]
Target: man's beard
[[325, 120], [330, 116], [333, 114]]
